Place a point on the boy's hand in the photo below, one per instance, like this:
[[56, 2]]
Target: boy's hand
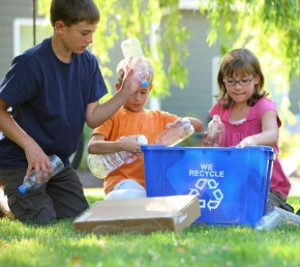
[[130, 85], [38, 161], [172, 124], [178, 121], [131, 145]]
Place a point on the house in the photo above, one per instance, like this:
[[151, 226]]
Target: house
[[194, 100]]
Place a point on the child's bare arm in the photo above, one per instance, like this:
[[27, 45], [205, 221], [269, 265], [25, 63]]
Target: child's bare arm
[[98, 145], [269, 134], [97, 113], [198, 125], [35, 155]]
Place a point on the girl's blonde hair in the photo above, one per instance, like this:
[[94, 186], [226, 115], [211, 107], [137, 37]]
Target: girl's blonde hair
[[242, 62], [122, 66]]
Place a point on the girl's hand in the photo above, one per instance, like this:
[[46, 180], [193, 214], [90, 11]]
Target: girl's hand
[[248, 141], [205, 141]]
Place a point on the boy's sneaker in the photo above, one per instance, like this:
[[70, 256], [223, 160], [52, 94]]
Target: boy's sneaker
[[287, 207], [276, 200], [4, 209]]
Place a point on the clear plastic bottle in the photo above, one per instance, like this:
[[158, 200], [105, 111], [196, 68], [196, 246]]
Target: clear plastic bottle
[[101, 165], [177, 132], [132, 51], [216, 132], [275, 218], [31, 183], [270, 221]]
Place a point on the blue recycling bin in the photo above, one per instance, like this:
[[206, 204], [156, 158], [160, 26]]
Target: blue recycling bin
[[232, 184]]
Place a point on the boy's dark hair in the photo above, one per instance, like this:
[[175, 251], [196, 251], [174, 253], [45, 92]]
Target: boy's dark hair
[[243, 62], [74, 11]]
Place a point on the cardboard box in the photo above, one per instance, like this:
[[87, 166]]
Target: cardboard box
[[140, 215]]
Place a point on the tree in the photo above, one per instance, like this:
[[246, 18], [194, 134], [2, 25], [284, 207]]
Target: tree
[[270, 28], [155, 23]]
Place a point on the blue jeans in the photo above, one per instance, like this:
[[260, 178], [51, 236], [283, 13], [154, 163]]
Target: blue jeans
[[62, 197], [127, 188]]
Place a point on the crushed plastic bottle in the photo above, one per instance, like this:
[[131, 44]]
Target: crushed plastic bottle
[[30, 183], [133, 52], [101, 165], [275, 218], [216, 132], [176, 132]]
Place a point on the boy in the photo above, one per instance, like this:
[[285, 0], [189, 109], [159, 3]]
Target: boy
[[128, 181], [53, 89]]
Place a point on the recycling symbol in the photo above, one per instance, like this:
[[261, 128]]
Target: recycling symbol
[[212, 185]]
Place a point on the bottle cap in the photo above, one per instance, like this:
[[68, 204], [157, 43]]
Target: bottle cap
[[144, 83], [22, 189], [142, 140]]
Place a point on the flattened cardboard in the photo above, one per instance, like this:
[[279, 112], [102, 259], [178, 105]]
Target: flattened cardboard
[[139, 215]]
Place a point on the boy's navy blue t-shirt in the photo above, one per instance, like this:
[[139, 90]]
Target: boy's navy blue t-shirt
[[49, 100]]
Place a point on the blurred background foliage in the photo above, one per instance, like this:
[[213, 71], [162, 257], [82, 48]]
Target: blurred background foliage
[[155, 23], [270, 28]]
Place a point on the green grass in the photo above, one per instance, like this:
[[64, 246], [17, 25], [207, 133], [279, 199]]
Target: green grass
[[59, 245]]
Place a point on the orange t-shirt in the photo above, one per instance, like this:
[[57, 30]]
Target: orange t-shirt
[[123, 123]]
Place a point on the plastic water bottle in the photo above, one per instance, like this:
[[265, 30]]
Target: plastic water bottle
[[101, 165], [176, 132], [275, 218], [270, 221], [216, 132], [31, 183], [132, 51]]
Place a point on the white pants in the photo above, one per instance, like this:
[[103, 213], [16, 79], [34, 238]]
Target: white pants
[[127, 188]]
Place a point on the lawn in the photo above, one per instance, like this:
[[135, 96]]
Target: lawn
[[59, 245]]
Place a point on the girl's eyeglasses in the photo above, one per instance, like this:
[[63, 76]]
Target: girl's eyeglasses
[[232, 82]]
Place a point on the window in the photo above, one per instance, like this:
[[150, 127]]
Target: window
[[23, 33], [189, 4]]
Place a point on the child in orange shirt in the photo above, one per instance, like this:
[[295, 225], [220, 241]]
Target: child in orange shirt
[[128, 181]]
